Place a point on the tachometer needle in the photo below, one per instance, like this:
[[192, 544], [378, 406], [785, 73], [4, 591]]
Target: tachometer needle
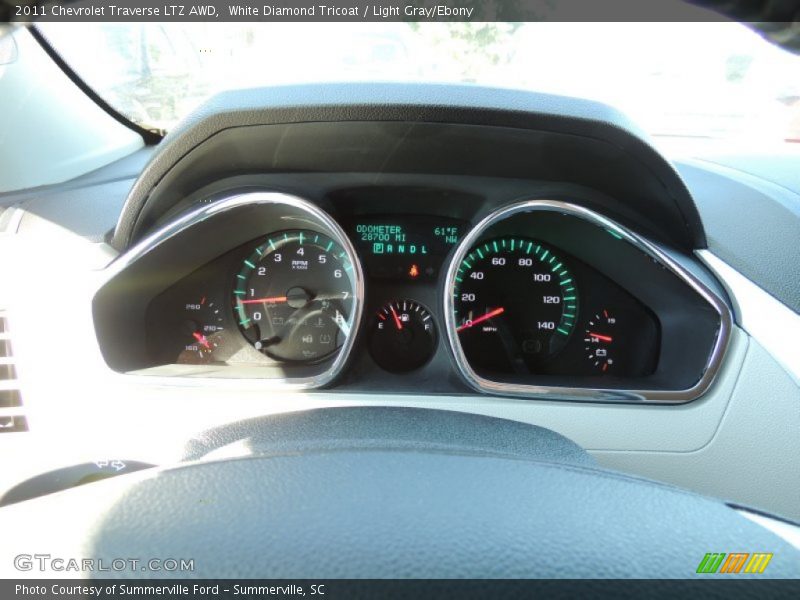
[[273, 300], [396, 319], [202, 339], [482, 318], [602, 338]]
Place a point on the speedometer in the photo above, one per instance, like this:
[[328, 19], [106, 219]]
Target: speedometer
[[515, 304], [293, 296]]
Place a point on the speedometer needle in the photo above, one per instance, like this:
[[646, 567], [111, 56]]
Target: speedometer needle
[[482, 318], [273, 300]]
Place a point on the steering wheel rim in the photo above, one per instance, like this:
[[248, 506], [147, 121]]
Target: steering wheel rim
[[360, 493]]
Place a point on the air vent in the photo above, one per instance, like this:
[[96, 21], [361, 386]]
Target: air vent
[[11, 420]]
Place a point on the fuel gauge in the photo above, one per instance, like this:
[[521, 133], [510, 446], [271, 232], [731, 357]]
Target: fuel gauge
[[403, 337], [600, 344]]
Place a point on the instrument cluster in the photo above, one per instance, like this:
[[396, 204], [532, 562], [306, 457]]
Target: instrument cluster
[[537, 298]]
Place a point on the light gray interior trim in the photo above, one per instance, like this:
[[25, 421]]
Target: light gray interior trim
[[788, 532], [9, 224], [772, 323], [763, 247], [572, 393], [752, 457]]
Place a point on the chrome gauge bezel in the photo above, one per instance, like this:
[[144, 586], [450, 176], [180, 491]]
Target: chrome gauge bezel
[[590, 394], [316, 218]]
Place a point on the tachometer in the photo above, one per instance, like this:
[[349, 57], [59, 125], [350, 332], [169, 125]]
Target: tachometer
[[515, 304], [294, 295]]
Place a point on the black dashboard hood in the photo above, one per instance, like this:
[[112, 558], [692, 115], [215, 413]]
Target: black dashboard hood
[[385, 128]]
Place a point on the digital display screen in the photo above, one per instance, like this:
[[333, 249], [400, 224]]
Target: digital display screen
[[403, 247]]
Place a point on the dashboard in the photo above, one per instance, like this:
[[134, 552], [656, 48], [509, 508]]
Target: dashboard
[[451, 246], [530, 298], [477, 252], [389, 200]]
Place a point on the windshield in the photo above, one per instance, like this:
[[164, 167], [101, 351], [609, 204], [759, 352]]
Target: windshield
[[686, 80]]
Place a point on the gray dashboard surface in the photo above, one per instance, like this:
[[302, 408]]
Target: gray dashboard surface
[[126, 168], [778, 166], [87, 206], [89, 212], [370, 427], [750, 207]]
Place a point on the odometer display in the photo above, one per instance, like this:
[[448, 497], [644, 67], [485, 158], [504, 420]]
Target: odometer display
[[293, 296], [405, 247], [515, 303]]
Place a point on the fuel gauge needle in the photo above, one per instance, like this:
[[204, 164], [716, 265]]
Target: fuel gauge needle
[[396, 319]]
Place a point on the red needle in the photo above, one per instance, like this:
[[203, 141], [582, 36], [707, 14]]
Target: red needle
[[488, 315], [202, 339], [273, 300], [396, 319], [604, 338]]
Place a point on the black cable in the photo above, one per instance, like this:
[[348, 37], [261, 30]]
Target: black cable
[[150, 137]]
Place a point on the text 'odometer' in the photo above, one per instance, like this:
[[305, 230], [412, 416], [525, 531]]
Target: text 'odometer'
[[515, 303]]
